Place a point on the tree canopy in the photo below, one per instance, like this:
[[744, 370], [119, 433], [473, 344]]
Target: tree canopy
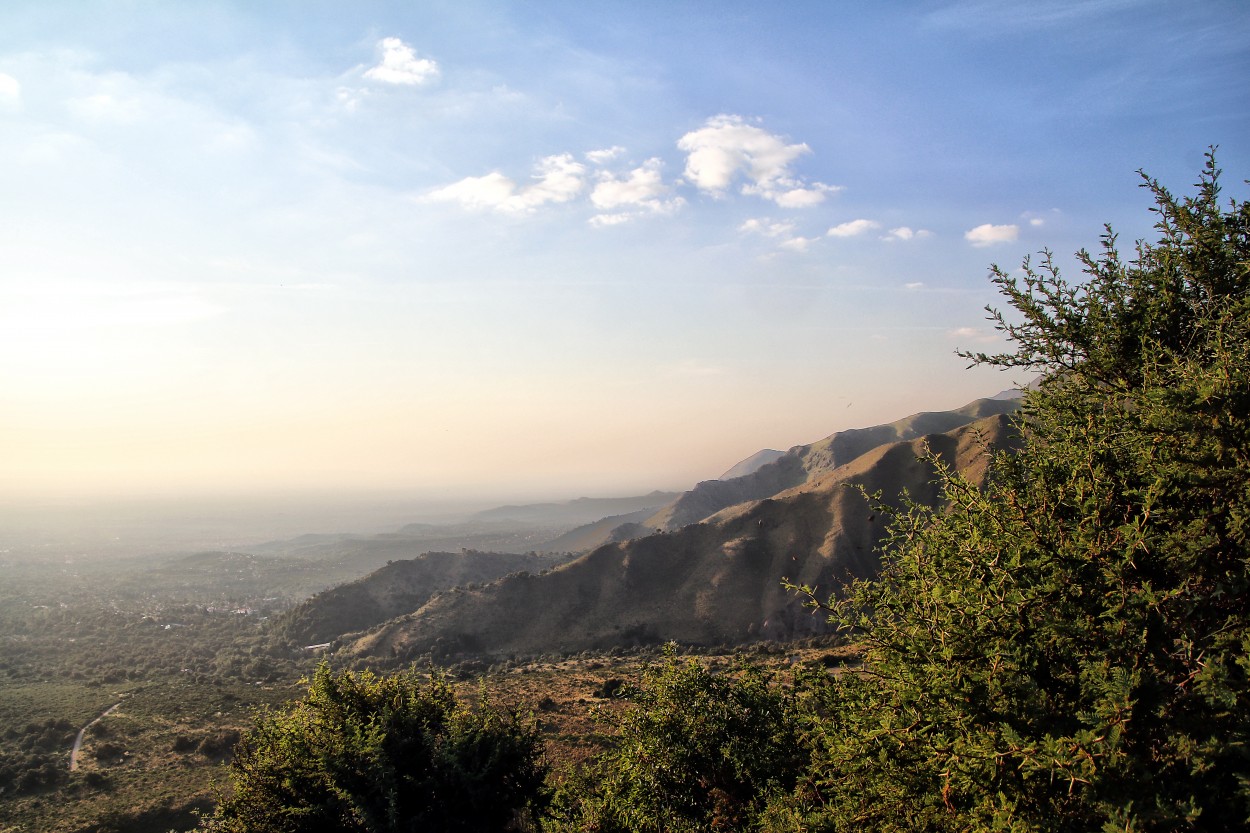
[[1068, 647]]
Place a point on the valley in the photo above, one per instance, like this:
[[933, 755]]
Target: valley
[[160, 659]]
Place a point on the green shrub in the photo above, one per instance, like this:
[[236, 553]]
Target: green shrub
[[362, 752], [695, 751], [1066, 649]]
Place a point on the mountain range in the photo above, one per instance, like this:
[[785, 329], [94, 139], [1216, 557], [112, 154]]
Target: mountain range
[[706, 568]]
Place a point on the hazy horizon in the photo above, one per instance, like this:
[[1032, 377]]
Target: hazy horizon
[[492, 252]]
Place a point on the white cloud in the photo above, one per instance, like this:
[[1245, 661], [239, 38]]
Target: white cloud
[[1036, 219], [642, 189], [914, 285], [107, 107], [10, 90], [559, 179], [853, 228], [400, 65], [782, 232], [801, 197], [988, 234], [604, 155], [767, 227], [907, 233], [605, 220], [349, 98], [727, 149], [797, 244]]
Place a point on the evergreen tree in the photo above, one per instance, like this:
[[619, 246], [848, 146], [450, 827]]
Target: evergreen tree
[[1068, 647]]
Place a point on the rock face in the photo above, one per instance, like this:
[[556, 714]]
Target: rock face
[[717, 581]]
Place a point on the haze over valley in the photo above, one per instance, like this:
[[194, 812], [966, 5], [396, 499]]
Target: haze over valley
[[546, 363]]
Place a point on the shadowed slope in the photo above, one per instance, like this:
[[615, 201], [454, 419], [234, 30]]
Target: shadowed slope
[[397, 588], [711, 583]]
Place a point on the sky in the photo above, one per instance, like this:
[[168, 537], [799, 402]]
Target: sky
[[548, 249]]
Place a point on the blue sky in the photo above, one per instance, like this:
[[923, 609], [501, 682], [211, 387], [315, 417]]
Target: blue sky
[[522, 249]]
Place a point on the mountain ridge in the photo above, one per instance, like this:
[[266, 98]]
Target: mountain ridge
[[718, 581]]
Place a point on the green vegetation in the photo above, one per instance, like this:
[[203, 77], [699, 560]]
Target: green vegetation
[[1066, 649], [369, 753], [695, 750]]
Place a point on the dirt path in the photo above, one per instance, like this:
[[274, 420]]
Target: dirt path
[[73, 755]]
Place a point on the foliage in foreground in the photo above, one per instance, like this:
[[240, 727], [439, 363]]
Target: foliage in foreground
[[367, 753], [696, 750], [1069, 647]]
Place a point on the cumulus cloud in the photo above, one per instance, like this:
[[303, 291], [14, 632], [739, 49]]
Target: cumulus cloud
[[906, 233], [797, 197], [853, 228], [605, 155], [1037, 219], [399, 64], [557, 178], [767, 227], [781, 231], [727, 149], [797, 244], [605, 220], [642, 190], [987, 234]]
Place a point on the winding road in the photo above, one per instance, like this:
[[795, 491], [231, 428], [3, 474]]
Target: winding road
[[73, 755]]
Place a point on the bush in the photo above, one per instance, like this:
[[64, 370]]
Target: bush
[[362, 752], [695, 751]]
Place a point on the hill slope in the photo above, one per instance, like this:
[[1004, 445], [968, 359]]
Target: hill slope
[[713, 582], [397, 588], [806, 462], [583, 510], [753, 463]]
